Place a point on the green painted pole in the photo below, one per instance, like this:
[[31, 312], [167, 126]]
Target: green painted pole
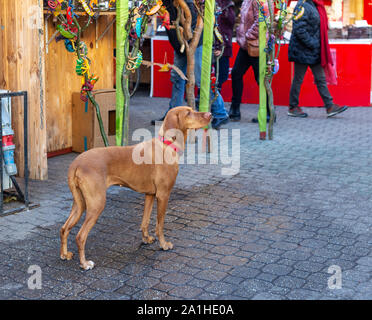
[[205, 83], [121, 35], [262, 113]]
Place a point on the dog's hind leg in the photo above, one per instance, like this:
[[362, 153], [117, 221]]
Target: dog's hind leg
[[94, 208], [75, 215], [162, 202], [78, 207], [149, 202]]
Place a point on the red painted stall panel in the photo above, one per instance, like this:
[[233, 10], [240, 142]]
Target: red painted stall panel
[[160, 82], [354, 72], [353, 78], [283, 79], [368, 11]]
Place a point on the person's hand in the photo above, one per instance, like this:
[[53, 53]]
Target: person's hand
[[217, 53]]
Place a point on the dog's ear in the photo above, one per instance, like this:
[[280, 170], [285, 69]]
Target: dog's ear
[[171, 121]]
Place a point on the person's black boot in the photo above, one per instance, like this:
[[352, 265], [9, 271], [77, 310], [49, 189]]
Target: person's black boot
[[234, 113]]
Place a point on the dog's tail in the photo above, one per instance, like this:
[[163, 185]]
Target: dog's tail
[[73, 184]]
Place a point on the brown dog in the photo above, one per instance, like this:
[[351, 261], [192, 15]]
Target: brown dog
[[92, 172]]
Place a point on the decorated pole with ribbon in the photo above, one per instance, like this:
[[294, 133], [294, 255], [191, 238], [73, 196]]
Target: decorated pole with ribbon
[[262, 113], [205, 82], [122, 101], [271, 29], [270, 63]]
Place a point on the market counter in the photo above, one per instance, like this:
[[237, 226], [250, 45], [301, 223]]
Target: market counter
[[353, 65]]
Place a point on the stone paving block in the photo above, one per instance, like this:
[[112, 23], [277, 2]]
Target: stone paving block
[[211, 275], [267, 296], [254, 286], [127, 290], [220, 288], [186, 292], [308, 266], [266, 276], [110, 296], [365, 261], [245, 272], [235, 280], [276, 269], [176, 278], [149, 294], [303, 294], [233, 261]]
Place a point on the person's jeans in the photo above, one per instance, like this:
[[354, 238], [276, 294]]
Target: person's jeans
[[218, 106], [223, 72], [178, 84], [320, 81]]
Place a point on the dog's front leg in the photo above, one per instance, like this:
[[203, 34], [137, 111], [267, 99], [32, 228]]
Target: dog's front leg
[[162, 202], [149, 202]]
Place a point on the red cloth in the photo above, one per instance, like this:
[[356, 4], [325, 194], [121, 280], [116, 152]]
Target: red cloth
[[325, 51]]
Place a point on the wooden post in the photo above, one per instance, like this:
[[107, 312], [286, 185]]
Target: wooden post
[[22, 69]]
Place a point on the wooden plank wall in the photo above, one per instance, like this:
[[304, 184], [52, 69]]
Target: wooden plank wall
[[62, 81], [22, 69]]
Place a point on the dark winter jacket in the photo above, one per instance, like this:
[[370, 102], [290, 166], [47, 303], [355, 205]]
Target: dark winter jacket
[[226, 21], [172, 35], [304, 46]]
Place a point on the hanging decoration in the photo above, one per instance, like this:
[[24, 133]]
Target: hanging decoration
[[89, 9], [166, 66], [164, 16], [135, 27], [274, 22], [70, 32], [130, 37]]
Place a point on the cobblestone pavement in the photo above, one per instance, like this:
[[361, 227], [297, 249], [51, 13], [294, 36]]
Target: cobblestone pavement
[[298, 205]]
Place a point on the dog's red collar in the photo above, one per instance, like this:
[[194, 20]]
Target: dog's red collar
[[170, 143]]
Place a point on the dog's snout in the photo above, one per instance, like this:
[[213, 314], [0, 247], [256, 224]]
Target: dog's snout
[[207, 115]]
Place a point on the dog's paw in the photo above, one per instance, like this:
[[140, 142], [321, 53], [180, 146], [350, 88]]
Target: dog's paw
[[166, 246], [67, 256], [88, 265], [148, 240]]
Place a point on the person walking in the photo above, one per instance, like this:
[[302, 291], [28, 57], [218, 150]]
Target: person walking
[[226, 22], [309, 47], [248, 55], [218, 111]]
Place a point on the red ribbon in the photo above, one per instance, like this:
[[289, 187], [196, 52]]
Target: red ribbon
[[169, 143]]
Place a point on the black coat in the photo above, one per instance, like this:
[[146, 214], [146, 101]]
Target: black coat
[[304, 46]]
